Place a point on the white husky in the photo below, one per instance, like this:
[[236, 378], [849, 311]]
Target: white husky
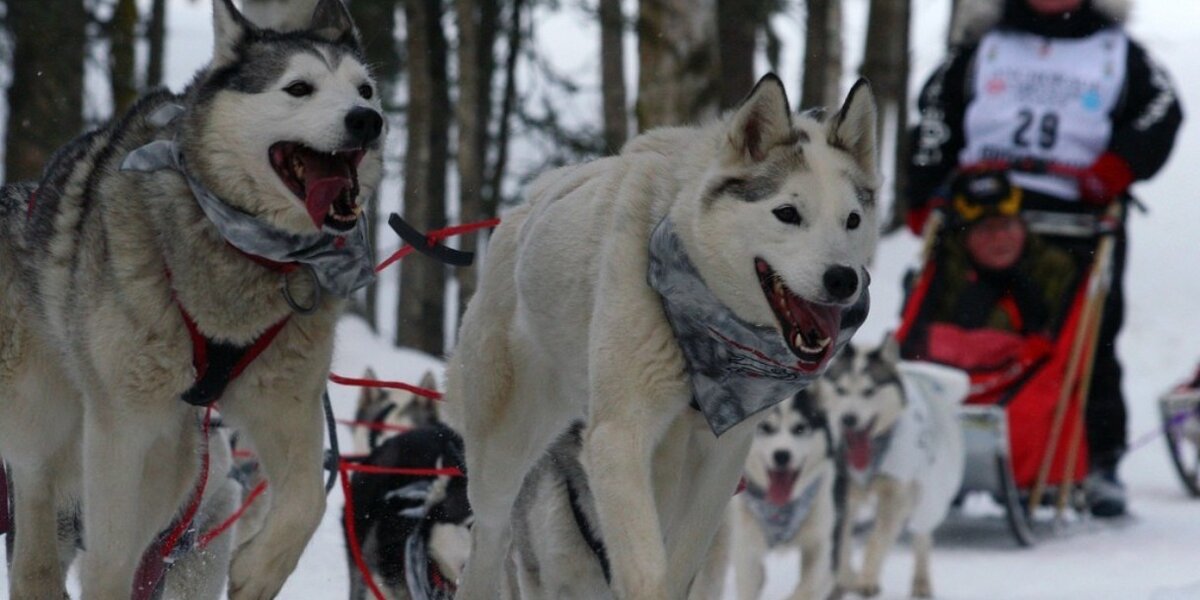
[[777, 215], [788, 501], [902, 443]]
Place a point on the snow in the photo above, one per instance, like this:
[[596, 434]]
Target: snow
[[1150, 555]]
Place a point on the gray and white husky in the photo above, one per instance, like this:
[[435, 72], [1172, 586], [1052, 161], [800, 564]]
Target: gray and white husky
[[145, 266], [902, 444], [764, 221], [788, 501]]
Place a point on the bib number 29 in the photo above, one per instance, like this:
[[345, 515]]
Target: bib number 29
[[1032, 127]]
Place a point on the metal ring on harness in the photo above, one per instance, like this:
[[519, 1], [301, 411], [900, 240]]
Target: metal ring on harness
[[316, 287]]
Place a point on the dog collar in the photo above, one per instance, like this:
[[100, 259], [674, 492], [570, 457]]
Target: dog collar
[[780, 523], [341, 264], [735, 368]]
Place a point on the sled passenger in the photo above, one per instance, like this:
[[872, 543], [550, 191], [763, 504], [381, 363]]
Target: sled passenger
[[1054, 82]]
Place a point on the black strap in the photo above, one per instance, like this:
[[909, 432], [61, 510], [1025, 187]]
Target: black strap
[[420, 241]]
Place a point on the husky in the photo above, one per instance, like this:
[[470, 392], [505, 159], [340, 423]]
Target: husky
[[412, 531], [788, 501], [188, 249], [665, 297], [901, 445], [383, 413]]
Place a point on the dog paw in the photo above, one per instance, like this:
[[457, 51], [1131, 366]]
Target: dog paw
[[868, 589], [922, 588]]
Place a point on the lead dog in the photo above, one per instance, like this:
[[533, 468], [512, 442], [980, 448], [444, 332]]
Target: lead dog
[[148, 265], [902, 444], [755, 230]]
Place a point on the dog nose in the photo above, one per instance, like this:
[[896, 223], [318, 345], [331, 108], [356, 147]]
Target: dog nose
[[364, 125], [781, 458], [841, 281], [849, 421]]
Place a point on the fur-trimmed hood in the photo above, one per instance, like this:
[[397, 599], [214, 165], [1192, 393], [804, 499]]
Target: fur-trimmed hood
[[976, 17]]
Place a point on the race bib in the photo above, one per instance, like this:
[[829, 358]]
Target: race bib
[[1045, 99]]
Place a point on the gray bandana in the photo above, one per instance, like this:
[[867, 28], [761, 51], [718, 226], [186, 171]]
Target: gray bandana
[[339, 268], [780, 523], [736, 368]]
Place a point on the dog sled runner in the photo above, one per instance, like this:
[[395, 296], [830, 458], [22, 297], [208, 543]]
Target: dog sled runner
[[1022, 419]]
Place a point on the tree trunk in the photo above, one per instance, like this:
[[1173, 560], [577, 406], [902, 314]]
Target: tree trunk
[[420, 311], [508, 102], [155, 37], [821, 81], [122, 68], [679, 62], [376, 21], [886, 64], [46, 96], [477, 22], [737, 31], [612, 74]]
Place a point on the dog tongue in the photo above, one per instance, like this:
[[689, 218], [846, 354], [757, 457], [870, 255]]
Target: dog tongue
[[825, 318], [325, 179], [779, 487], [858, 446]]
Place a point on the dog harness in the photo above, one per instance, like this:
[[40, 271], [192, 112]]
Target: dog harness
[[780, 522], [735, 368]]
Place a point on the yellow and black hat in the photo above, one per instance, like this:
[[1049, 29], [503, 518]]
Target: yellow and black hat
[[980, 193]]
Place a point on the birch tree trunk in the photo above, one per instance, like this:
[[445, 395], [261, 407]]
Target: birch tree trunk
[[421, 308], [679, 62]]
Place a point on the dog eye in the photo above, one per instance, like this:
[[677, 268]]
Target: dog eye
[[853, 221], [799, 429], [365, 91], [299, 89], [766, 428], [788, 214], [868, 392]]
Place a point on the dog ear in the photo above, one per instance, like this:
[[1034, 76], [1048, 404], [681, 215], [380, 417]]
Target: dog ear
[[889, 351], [852, 129], [762, 122], [428, 381], [331, 22], [229, 29]]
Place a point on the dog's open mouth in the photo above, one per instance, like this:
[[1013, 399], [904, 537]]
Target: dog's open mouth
[[327, 182], [859, 446], [809, 329], [780, 484]]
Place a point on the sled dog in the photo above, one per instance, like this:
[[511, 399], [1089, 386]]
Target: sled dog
[[662, 296], [788, 501], [383, 413], [902, 444], [187, 249], [412, 530]]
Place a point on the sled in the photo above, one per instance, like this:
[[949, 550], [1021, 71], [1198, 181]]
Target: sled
[[1022, 426], [1180, 414]]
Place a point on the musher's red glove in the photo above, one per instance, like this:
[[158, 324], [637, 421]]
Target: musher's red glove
[[1106, 179]]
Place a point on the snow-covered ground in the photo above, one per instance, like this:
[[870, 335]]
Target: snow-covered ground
[[1152, 554]]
